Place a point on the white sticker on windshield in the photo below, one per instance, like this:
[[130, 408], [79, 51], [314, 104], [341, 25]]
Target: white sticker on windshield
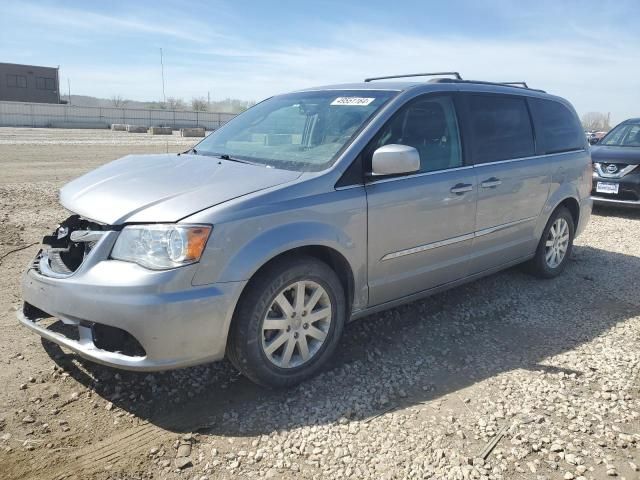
[[358, 101]]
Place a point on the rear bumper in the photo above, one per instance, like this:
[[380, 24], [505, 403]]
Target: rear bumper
[[176, 324], [616, 202]]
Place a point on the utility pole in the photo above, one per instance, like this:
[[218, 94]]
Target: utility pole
[[58, 81], [69, 87], [208, 100], [164, 98]]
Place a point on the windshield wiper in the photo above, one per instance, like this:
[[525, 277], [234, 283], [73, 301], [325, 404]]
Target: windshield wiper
[[224, 156]]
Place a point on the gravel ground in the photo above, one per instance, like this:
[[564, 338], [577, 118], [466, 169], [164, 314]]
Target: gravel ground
[[509, 377]]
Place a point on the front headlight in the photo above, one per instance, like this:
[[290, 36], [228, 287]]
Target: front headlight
[[160, 247]]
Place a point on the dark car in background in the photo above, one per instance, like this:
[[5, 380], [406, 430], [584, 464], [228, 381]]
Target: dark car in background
[[616, 170]]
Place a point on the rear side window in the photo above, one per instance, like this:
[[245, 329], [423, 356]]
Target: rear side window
[[501, 128], [557, 128]]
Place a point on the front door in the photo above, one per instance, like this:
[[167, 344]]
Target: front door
[[420, 225]]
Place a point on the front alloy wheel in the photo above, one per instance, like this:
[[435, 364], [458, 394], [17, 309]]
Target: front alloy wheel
[[288, 322], [296, 324]]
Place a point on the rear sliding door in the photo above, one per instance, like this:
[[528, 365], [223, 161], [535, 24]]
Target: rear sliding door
[[513, 181]]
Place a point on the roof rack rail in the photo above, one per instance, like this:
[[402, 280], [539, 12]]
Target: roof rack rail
[[519, 85], [436, 74], [515, 84]]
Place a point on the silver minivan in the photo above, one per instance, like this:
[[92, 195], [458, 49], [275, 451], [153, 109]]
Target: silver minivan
[[306, 211]]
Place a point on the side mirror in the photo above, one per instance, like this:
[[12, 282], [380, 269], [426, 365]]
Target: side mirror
[[594, 140], [395, 159]]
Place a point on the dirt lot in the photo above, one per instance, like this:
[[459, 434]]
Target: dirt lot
[[548, 368]]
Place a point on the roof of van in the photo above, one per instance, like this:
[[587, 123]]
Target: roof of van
[[439, 84]]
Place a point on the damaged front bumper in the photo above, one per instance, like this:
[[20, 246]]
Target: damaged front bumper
[[128, 317]]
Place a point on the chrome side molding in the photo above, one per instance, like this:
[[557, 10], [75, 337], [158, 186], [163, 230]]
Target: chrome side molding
[[451, 241]]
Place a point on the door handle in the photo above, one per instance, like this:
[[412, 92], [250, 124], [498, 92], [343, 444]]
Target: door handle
[[461, 188], [492, 182]]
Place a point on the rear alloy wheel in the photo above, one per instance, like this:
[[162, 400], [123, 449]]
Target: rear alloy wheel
[[288, 322], [556, 243]]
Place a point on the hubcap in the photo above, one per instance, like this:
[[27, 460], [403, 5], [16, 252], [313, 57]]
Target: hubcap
[[557, 243], [296, 324]]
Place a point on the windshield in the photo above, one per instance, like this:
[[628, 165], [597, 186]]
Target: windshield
[[302, 131], [626, 135]]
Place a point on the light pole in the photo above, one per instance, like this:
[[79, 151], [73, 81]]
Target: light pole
[[164, 98]]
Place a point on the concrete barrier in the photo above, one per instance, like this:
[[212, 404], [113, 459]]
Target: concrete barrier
[[136, 129], [160, 130], [119, 127], [192, 132]]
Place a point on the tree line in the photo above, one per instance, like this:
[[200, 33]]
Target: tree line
[[198, 104], [596, 121]]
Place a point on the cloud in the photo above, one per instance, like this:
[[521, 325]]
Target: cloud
[[605, 77], [74, 21], [597, 68]]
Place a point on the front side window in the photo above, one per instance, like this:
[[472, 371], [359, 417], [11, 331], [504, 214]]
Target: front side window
[[501, 128], [430, 126], [625, 135], [303, 131], [557, 128]]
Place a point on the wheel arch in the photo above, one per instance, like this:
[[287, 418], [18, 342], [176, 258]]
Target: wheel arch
[[565, 196], [332, 257], [573, 206]]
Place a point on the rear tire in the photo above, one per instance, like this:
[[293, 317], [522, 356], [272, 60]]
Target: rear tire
[[556, 244], [288, 322]]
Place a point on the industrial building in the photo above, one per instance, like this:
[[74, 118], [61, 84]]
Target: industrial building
[[29, 83]]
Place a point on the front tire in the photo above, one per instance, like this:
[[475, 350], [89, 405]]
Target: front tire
[[288, 323], [556, 244]]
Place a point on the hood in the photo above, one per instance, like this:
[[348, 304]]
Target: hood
[[607, 154], [164, 188]]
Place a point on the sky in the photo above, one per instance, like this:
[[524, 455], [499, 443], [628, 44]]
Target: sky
[[586, 51]]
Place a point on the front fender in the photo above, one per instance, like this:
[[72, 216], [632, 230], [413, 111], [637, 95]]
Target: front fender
[[246, 260], [246, 237]]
